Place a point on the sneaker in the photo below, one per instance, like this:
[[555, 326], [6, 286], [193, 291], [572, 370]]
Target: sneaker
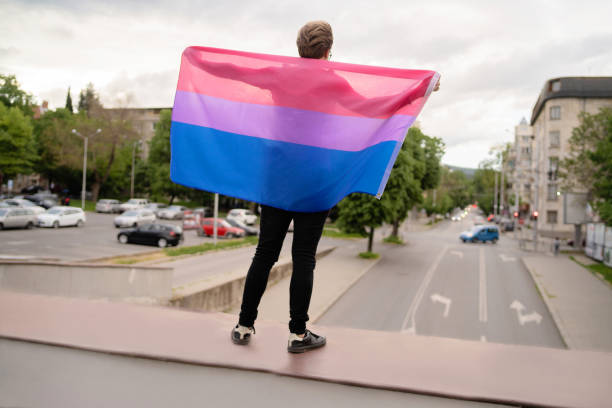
[[309, 342], [242, 334]]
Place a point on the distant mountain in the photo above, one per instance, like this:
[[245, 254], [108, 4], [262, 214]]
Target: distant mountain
[[465, 170]]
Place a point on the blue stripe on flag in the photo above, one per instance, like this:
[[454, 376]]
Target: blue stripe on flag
[[279, 174]]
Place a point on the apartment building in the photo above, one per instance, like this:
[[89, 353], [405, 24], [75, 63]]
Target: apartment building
[[554, 116], [144, 121], [521, 167]]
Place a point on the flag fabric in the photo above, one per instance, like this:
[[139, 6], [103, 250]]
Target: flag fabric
[[293, 133]]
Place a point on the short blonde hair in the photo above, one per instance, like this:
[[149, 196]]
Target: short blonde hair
[[314, 39]]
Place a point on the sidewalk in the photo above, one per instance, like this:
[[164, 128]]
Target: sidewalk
[[579, 302], [333, 276]]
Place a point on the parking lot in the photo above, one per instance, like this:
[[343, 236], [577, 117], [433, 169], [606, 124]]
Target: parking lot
[[96, 239]]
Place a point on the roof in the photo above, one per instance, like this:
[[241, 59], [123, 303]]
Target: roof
[[572, 87]]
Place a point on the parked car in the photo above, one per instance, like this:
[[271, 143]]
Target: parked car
[[134, 218], [481, 233], [43, 199], [507, 225], [134, 204], [248, 230], [152, 234], [61, 217], [242, 215], [23, 203], [15, 217], [174, 212], [108, 206], [224, 229], [155, 207]]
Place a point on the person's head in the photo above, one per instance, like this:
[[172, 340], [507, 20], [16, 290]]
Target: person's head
[[315, 40]]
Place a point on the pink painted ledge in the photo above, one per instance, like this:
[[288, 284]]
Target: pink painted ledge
[[468, 370]]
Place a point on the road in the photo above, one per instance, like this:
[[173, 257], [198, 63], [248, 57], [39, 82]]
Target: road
[[98, 238], [438, 286]]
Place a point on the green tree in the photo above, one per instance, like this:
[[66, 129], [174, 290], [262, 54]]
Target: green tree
[[588, 165], [69, 107], [158, 164], [89, 100], [484, 184], [17, 148], [359, 211], [11, 95]]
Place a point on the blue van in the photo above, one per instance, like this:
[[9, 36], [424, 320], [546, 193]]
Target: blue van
[[481, 233]]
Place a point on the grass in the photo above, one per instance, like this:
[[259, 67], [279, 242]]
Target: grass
[[209, 246], [597, 268], [391, 239], [369, 255], [89, 205]]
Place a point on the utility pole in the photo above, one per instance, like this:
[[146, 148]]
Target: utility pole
[[85, 138], [495, 195], [502, 188]]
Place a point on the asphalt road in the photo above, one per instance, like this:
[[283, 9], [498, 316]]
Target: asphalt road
[[96, 239], [438, 286]]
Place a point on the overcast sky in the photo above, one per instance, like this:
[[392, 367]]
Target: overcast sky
[[494, 56]]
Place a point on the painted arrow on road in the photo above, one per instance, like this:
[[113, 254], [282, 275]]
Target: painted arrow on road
[[458, 253], [506, 258], [439, 298], [532, 317]]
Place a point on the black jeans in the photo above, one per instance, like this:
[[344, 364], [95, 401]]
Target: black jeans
[[307, 229]]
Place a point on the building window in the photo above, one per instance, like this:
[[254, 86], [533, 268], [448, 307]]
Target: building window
[[555, 138], [551, 217], [555, 112], [553, 168], [525, 139], [527, 186], [552, 192], [555, 86]]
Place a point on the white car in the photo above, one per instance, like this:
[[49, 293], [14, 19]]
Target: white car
[[23, 203], [15, 217], [134, 204], [134, 218], [61, 216], [242, 215], [174, 212], [107, 206]]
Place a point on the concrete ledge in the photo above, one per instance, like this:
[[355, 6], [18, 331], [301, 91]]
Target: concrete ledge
[[460, 369], [140, 284], [224, 291]]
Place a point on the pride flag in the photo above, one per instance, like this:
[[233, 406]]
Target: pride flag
[[293, 133]]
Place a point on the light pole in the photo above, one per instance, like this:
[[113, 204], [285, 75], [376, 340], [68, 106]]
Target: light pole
[[76, 132], [139, 143]]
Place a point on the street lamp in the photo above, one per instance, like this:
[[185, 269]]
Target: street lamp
[[76, 132], [139, 144]]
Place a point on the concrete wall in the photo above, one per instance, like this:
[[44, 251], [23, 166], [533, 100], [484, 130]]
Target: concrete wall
[[140, 284], [224, 292]]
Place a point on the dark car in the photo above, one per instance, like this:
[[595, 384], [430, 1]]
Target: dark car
[[46, 200], [152, 234], [248, 230]]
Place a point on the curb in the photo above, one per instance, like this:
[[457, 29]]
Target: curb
[[556, 318], [343, 291]]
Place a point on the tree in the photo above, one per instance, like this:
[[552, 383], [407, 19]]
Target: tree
[[588, 165], [88, 100], [158, 164], [17, 148], [484, 184], [11, 95], [358, 211], [69, 107]]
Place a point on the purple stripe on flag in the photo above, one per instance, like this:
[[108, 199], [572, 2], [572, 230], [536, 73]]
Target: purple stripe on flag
[[310, 128]]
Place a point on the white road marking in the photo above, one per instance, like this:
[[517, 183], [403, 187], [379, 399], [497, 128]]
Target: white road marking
[[419, 295], [447, 302], [482, 293], [531, 317], [458, 253], [483, 338], [506, 258], [18, 242]]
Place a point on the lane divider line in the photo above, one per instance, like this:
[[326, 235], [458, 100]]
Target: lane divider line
[[482, 292]]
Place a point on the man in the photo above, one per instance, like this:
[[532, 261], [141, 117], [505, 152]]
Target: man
[[314, 41]]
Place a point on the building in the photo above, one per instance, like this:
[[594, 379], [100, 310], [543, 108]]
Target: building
[[520, 164], [554, 116], [144, 121]]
